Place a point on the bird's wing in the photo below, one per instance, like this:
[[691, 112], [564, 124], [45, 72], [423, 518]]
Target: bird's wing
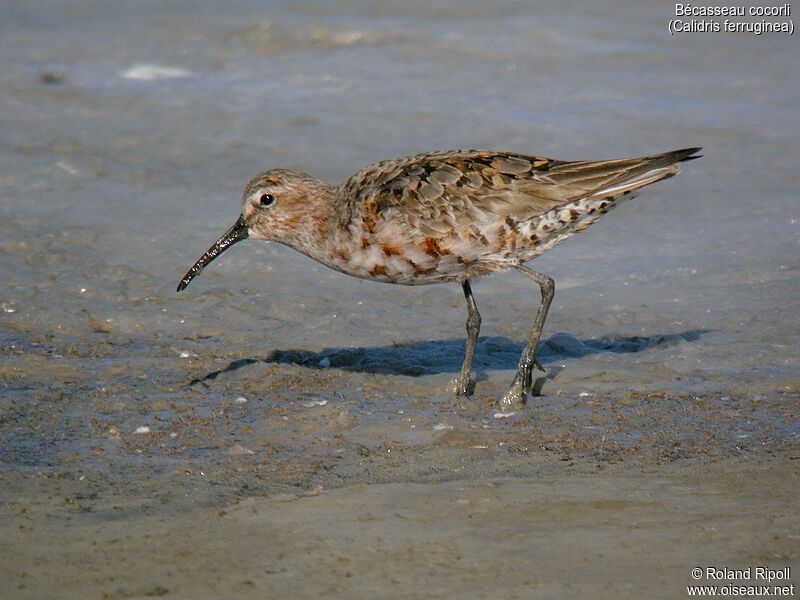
[[441, 192]]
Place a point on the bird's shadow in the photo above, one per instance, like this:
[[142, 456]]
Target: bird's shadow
[[415, 359]]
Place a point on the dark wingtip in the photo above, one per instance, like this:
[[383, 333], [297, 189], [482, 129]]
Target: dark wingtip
[[687, 154], [182, 286]]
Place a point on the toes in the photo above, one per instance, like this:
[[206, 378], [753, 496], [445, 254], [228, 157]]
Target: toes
[[464, 388], [511, 400], [515, 396]]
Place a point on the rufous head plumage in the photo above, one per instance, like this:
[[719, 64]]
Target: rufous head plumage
[[283, 205]]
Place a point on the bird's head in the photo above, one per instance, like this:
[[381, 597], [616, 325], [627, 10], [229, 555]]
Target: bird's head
[[282, 205]]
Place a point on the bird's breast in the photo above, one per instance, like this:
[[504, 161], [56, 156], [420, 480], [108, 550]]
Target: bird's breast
[[386, 252], [390, 250]]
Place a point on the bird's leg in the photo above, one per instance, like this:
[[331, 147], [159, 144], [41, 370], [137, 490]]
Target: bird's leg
[[516, 395], [465, 385]]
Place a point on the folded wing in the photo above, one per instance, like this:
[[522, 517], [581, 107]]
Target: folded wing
[[443, 192]]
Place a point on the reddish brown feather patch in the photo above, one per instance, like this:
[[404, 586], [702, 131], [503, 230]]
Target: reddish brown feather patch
[[418, 270], [369, 223], [511, 244], [343, 254], [432, 247], [390, 250], [378, 270]]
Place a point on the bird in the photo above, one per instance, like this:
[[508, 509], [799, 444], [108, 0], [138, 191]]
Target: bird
[[444, 216]]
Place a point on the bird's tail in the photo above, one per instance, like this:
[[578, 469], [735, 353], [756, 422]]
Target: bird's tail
[[617, 180], [642, 171]]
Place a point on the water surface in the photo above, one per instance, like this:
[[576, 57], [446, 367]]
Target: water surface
[[128, 133]]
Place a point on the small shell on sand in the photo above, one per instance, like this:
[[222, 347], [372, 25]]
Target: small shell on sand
[[239, 450], [312, 403], [155, 73], [504, 415]]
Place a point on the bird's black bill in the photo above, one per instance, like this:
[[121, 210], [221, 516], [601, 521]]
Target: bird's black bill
[[237, 233]]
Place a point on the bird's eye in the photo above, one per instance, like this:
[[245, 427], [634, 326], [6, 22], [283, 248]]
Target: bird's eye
[[266, 199]]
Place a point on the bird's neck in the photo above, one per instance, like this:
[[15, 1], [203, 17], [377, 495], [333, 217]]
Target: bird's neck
[[310, 228]]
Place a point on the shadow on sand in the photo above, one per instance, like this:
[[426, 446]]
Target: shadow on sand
[[444, 356]]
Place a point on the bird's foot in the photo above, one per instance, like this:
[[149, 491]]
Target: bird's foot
[[516, 395], [464, 386]]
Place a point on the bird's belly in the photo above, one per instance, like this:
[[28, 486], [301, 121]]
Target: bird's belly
[[403, 264], [397, 256]]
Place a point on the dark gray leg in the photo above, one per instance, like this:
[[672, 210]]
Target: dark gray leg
[[465, 385], [516, 395]]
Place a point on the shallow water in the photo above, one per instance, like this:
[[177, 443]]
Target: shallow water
[[129, 133], [134, 419]]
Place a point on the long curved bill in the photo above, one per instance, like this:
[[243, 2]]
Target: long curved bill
[[237, 233]]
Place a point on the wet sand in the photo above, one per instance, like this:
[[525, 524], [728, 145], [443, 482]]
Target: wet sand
[[270, 480], [580, 529]]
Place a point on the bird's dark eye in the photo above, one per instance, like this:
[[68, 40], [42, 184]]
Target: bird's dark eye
[[266, 199]]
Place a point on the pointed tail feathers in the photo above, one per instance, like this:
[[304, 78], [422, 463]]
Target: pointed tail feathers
[[644, 171]]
